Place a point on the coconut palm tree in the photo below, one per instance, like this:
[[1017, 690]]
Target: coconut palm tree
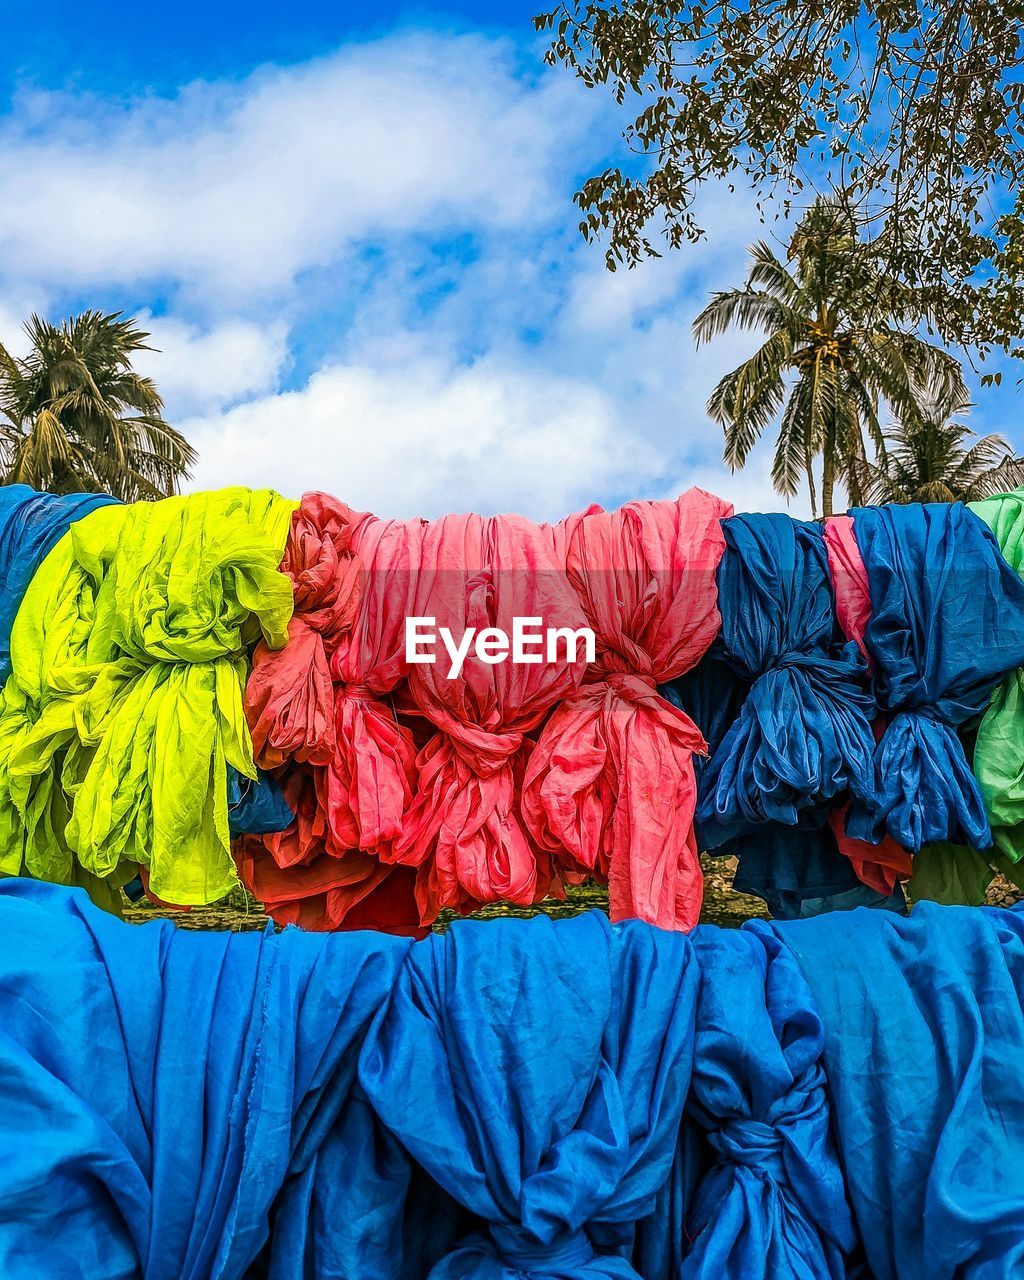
[[931, 455], [840, 337], [74, 414]]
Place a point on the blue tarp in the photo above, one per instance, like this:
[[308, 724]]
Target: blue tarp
[[556, 1100]]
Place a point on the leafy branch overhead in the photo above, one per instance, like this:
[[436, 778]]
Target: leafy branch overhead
[[913, 113], [75, 416]]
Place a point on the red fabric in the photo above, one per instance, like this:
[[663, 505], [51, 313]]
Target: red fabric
[[310, 730], [463, 829], [879, 866], [609, 788], [300, 882], [370, 778]]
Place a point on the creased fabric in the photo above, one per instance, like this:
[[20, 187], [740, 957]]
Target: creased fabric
[[999, 745], [947, 624], [535, 1090], [203, 1084], [803, 735], [610, 788], [773, 1202], [923, 1045], [124, 708], [463, 828], [881, 864], [31, 524]]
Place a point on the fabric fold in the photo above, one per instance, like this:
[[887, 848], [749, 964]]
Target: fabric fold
[[516, 1066], [773, 1202], [609, 789], [946, 626]]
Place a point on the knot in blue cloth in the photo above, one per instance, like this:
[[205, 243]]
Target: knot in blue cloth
[[517, 1251], [750, 1143]]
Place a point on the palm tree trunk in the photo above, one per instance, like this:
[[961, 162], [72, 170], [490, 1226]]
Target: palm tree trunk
[[828, 481], [809, 468]]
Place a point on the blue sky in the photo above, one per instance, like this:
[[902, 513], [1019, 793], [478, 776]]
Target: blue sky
[[350, 229]]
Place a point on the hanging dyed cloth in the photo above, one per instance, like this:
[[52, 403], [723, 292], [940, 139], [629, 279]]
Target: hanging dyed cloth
[[885, 864], [31, 524], [204, 1089], [772, 1202], [124, 709], [610, 786], [519, 1065], [800, 738], [463, 828], [305, 874], [923, 1041], [999, 745], [947, 624]]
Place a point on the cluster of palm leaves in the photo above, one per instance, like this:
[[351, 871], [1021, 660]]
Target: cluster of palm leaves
[[75, 416], [841, 339]]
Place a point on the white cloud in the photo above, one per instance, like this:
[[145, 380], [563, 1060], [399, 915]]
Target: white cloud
[[197, 370], [425, 438], [237, 188]]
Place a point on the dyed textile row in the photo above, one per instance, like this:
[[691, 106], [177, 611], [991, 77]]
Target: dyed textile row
[[513, 1099], [813, 697]]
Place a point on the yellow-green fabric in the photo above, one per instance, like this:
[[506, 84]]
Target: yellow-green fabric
[[124, 707], [999, 752]]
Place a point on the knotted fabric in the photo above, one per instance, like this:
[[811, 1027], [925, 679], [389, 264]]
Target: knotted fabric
[[882, 865], [463, 828], [923, 1041], [773, 1202], [610, 787], [947, 624], [536, 1088], [124, 708], [803, 734]]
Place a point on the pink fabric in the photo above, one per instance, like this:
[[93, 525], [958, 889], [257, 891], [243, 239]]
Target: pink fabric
[[370, 778], [463, 829], [289, 698], [609, 789], [849, 580], [879, 866]]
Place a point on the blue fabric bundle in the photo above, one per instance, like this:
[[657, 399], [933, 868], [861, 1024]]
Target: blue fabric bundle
[[31, 525], [522, 1068], [773, 1201], [947, 624], [924, 1054], [792, 733], [803, 735], [309, 1107], [177, 1105]]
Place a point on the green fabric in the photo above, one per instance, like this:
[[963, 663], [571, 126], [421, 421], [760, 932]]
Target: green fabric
[[999, 751], [954, 875], [124, 706]]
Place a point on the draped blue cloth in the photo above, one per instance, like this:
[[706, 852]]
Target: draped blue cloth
[[31, 524], [175, 1104], [773, 1201], [783, 705], [947, 625], [522, 1068], [256, 807], [924, 1054], [548, 1100], [803, 734]]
